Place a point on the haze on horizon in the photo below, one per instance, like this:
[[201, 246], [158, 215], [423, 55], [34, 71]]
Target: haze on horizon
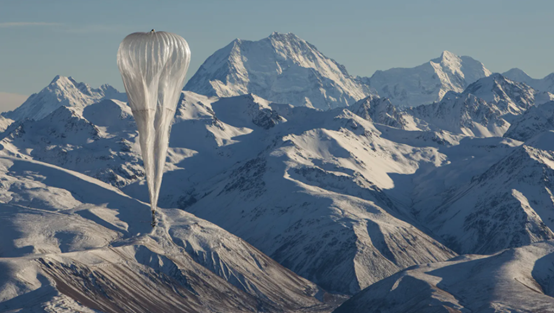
[[43, 39]]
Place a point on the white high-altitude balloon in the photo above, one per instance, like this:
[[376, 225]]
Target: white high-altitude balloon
[[153, 66]]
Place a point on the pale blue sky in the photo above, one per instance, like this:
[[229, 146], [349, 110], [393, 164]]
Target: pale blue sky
[[40, 39]]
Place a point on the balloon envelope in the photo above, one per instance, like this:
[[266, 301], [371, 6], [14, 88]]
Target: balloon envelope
[[153, 66]]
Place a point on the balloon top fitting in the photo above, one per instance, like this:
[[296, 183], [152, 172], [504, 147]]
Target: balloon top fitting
[[152, 31]]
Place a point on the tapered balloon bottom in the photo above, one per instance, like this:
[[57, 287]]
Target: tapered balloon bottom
[[153, 219]]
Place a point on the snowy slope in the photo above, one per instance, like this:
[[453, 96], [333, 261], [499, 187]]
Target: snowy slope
[[545, 84], [4, 123], [230, 135], [429, 82], [535, 120], [317, 173], [461, 114], [382, 111], [333, 160], [510, 97], [470, 157], [508, 205], [282, 68], [99, 140], [68, 238], [62, 91], [515, 280], [484, 109], [343, 197]]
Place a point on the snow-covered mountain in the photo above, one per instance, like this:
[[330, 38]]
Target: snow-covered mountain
[[484, 109], [544, 84], [462, 114], [429, 82], [382, 111], [72, 243], [282, 68], [276, 156], [535, 121], [515, 280], [317, 173], [270, 204], [509, 205], [235, 136], [80, 139], [62, 91], [510, 97]]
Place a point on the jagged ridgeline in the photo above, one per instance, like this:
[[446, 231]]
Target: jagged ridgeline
[[289, 186]]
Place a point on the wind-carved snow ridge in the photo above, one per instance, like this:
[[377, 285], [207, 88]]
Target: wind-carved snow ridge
[[282, 68]]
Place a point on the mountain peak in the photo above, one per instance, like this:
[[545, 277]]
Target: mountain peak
[[63, 80], [447, 55], [448, 58], [281, 68], [62, 91], [284, 36], [57, 78], [495, 79], [67, 84], [429, 82], [545, 84], [379, 110], [518, 75], [516, 71], [509, 96]]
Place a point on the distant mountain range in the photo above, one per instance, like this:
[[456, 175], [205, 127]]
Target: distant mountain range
[[544, 84], [428, 82], [290, 186], [284, 68]]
